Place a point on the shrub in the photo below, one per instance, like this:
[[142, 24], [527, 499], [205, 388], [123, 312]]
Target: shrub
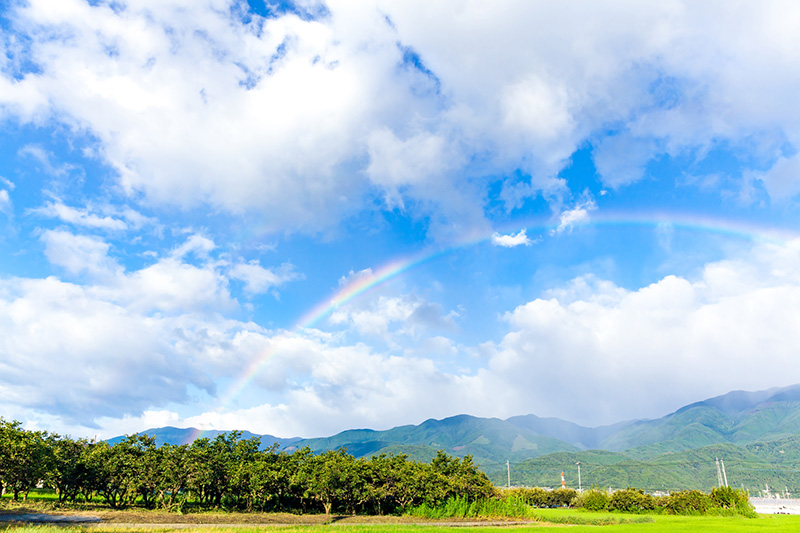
[[460, 507], [535, 497], [561, 497], [733, 499], [689, 502], [631, 501], [592, 500]]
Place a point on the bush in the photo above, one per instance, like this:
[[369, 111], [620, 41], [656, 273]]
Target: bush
[[689, 502], [631, 501], [733, 499], [730, 498], [561, 497], [592, 500], [534, 497], [460, 507], [537, 497]]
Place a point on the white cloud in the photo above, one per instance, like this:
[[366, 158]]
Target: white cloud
[[567, 354], [783, 179], [575, 216], [397, 164], [80, 217], [620, 354], [44, 158], [303, 118], [352, 386], [171, 286], [6, 205], [58, 336], [621, 159], [258, 279], [80, 254], [383, 314], [300, 121], [395, 319], [196, 244], [510, 241]]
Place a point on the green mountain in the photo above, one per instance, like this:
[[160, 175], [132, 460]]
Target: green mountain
[[773, 463], [757, 434], [490, 441], [581, 437], [177, 436], [738, 417]]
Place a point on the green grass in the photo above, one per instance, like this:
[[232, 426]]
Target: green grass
[[511, 507], [35, 494], [582, 521], [672, 523]]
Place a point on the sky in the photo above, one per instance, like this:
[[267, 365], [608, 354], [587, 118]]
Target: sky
[[296, 218]]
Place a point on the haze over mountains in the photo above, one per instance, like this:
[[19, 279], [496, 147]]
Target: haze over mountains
[[744, 426]]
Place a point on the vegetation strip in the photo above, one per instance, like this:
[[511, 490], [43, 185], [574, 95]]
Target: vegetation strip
[[227, 473]]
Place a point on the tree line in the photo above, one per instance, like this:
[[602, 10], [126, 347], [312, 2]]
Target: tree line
[[227, 472]]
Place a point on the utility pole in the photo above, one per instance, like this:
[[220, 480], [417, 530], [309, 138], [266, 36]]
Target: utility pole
[[724, 475], [719, 472], [508, 466], [579, 476]]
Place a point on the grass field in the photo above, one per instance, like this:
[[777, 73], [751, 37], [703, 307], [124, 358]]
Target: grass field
[[659, 523], [572, 520]]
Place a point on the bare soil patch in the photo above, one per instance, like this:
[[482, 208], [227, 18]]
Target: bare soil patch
[[143, 517]]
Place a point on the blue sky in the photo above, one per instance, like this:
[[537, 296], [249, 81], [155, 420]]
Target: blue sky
[[299, 218]]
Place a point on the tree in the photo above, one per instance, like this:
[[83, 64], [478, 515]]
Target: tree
[[71, 472], [245, 469], [124, 470], [463, 477], [24, 458], [172, 476], [329, 478]]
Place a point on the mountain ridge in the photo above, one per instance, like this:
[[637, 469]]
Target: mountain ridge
[[739, 418]]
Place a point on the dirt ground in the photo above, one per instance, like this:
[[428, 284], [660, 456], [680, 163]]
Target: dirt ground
[[147, 517]]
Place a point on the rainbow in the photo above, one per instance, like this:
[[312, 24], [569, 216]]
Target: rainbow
[[360, 284], [367, 281], [357, 286]]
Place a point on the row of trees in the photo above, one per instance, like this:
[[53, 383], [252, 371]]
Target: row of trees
[[227, 472]]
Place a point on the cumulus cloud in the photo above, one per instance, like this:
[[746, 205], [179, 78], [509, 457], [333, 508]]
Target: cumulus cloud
[[258, 279], [80, 217], [590, 339], [394, 319], [307, 120], [510, 241], [782, 181], [622, 354], [124, 341], [80, 254], [196, 244], [396, 164], [59, 336], [172, 286], [575, 216], [304, 118], [383, 314], [621, 159]]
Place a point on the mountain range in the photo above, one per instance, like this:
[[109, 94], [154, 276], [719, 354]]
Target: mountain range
[[756, 433]]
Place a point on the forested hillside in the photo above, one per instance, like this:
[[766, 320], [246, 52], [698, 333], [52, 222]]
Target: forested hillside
[[756, 434], [773, 463]]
